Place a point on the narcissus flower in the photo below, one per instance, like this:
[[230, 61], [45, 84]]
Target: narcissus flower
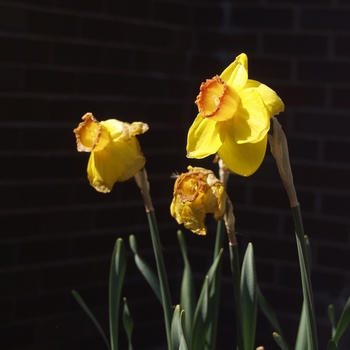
[[115, 151], [234, 118], [197, 193]]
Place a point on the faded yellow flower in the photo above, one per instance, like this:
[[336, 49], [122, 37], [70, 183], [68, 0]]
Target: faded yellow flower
[[115, 151], [234, 118], [197, 193]]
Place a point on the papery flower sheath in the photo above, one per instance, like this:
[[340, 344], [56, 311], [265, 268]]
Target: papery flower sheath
[[234, 118], [115, 151], [197, 193]]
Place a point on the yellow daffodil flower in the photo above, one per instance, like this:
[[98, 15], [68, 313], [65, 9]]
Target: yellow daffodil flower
[[234, 119], [115, 151], [197, 193]]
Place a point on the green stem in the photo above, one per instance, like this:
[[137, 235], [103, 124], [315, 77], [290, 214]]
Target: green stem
[[164, 287], [305, 268], [236, 277]]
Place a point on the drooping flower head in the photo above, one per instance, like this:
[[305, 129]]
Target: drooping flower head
[[197, 193], [234, 118], [115, 151]]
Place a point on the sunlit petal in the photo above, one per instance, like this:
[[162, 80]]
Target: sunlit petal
[[118, 162], [242, 159], [197, 193], [203, 138], [251, 122], [236, 74], [272, 101]]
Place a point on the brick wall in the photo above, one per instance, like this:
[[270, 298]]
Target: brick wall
[[144, 60]]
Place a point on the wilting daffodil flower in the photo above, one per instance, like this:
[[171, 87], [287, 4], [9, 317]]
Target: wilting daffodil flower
[[115, 151], [234, 118], [197, 193]]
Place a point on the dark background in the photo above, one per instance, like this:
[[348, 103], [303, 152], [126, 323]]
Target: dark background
[[144, 60]]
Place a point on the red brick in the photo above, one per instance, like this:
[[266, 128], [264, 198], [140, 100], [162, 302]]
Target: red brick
[[12, 19], [301, 95], [342, 45], [131, 8], [55, 24], [257, 17], [24, 50], [209, 16], [323, 71], [211, 41], [295, 44], [321, 176], [340, 97], [321, 123], [337, 151], [262, 69], [172, 13], [338, 205], [325, 19]]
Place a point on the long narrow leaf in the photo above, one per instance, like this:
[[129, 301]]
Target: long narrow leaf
[[302, 337], [203, 312], [83, 305], [200, 320], [128, 323], [215, 289], [249, 298], [116, 278], [331, 316], [162, 276], [176, 329], [280, 341], [331, 345], [145, 268], [304, 263], [187, 294], [268, 311], [343, 322], [236, 279], [183, 342]]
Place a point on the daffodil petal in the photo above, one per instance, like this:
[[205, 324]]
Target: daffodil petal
[[193, 217], [119, 161], [251, 122], [122, 131], [242, 159], [203, 138], [236, 74], [272, 101]]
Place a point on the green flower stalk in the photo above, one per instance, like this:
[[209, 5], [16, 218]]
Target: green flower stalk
[[279, 149]]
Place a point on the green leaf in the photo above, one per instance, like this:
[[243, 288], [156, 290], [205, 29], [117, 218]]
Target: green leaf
[[236, 279], [332, 345], [268, 311], [304, 263], [128, 323], [331, 316], [200, 320], [302, 337], [343, 322], [145, 269], [83, 305], [202, 314], [162, 275], [215, 290], [249, 298], [176, 329], [183, 343], [280, 341], [187, 294], [116, 278]]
